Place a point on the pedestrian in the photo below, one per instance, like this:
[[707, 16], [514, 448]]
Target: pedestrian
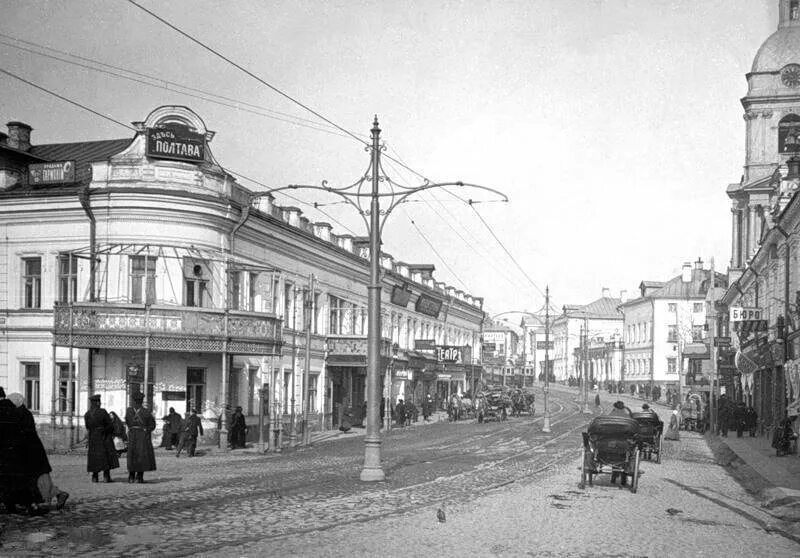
[[120, 436], [34, 458], [101, 454], [739, 418], [620, 410], [17, 486], [427, 407], [164, 432], [673, 430], [238, 432], [724, 418], [751, 420], [174, 429], [141, 457], [192, 426], [597, 399], [400, 412]]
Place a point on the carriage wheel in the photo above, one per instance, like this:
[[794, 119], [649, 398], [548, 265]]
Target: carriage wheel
[[635, 479], [658, 455], [582, 483]]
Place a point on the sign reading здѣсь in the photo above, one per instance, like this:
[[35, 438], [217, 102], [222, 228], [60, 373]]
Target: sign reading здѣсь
[[176, 143]]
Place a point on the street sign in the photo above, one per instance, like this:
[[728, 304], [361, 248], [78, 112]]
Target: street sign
[[722, 341], [742, 314], [542, 345]]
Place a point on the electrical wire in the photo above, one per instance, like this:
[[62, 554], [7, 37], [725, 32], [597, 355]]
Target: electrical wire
[[435, 251], [165, 85], [84, 107], [249, 73]]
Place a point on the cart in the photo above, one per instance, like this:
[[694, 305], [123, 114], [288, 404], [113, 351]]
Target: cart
[[611, 445], [493, 404], [650, 430]]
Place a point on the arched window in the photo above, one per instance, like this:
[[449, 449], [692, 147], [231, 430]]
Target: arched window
[[789, 124]]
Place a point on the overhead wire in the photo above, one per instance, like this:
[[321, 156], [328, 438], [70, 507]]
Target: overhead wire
[[435, 251], [164, 84]]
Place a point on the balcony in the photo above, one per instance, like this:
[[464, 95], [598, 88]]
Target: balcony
[[89, 325]]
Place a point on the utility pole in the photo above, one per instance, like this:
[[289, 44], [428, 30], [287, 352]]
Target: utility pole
[[546, 423], [293, 415], [585, 390], [712, 353]]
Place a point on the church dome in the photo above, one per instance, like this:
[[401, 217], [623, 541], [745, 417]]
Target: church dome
[[780, 49]]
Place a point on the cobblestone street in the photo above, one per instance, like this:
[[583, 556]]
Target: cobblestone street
[[506, 488]]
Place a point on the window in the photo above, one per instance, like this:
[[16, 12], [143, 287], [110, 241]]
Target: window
[[67, 278], [672, 365], [251, 292], [195, 389], [316, 314], [672, 307], [672, 334], [698, 307], [288, 305], [32, 378], [32, 280], [697, 333], [143, 280], [66, 388], [234, 279], [789, 125], [196, 275], [336, 314]]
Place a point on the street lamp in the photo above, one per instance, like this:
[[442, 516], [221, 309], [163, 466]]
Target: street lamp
[[387, 403], [375, 218]]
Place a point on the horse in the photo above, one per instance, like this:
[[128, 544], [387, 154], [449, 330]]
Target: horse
[[454, 408], [467, 407]]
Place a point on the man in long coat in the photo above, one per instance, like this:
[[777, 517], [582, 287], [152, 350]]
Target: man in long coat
[[141, 424], [101, 455], [238, 432], [192, 426]]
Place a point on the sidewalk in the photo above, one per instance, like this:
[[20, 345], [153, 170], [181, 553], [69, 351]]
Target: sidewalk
[[751, 460]]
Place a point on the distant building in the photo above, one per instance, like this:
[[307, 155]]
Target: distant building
[[664, 326]]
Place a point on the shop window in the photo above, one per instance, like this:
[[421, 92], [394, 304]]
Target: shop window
[[195, 389], [32, 386], [67, 278], [32, 281], [143, 279], [66, 388]]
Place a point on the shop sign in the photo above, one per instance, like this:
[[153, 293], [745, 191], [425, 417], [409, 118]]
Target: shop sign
[[544, 345], [428, 305], [722, 341], [447, 353], [347, 346], [443, 376], [424, 344], [404, 374], [743, 314], [401, 295], [176, 143], [51, 173], [173, 395]]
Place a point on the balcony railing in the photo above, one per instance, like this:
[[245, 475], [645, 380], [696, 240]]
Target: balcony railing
[[166, 328]]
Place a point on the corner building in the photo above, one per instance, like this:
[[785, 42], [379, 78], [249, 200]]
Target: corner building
[[141, 265], [764, 269]]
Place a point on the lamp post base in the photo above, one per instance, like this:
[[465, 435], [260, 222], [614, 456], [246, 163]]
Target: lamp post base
[[372, 470], [546, 424]]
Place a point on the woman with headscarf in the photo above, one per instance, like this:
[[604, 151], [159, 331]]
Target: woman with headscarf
[[35, 459], [674, 427]]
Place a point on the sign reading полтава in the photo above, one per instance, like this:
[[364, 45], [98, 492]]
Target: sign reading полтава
[[176, 143]]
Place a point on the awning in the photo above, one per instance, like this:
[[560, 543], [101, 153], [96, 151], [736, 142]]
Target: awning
[[696, 350]]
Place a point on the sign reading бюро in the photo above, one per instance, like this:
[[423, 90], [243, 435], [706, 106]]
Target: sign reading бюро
[[740, 314], [175, 143]]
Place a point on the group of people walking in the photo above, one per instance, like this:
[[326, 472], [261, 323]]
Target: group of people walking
[[181, 433]]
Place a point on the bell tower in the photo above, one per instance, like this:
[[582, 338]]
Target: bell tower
[[772, 132]]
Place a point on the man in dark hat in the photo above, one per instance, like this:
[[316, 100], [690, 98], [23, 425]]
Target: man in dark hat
[[141, 424], [620, 410], [100, 431], [192, 426]]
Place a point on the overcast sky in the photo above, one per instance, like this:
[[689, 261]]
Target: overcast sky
[[613, 126]]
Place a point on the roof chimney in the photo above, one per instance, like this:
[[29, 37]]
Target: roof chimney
[[699, 263], [686, 273], [19, 136], [623, 296], [606, 292]]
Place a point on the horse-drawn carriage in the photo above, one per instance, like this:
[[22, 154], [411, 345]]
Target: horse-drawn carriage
[[692, 413], [650, 430], [611, 445], [493, 403], [522, 401]]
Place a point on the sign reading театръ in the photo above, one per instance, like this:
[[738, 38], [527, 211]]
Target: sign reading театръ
[[176, 143], [448, 353], [741, 314]]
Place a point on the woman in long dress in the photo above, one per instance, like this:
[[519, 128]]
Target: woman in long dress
[[674, 427]]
